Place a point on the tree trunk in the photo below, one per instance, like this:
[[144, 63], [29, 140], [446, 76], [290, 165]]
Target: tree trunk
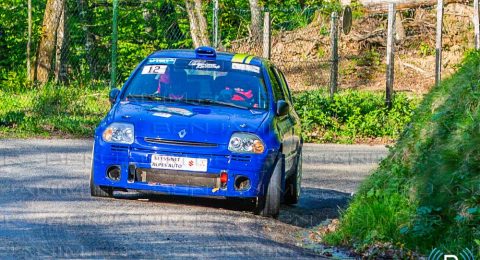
[[51, 20], [202, 23], [256, 21], [399, 29], [29, 41], [198, 23], [194, 31], [60, 49]]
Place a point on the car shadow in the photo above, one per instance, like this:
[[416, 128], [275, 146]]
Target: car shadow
[[315, 206]]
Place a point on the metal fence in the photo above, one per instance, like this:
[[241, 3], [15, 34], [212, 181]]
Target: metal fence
[[300, 42], [82, 39]]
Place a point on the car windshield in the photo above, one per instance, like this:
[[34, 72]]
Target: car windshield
[[199, 81]]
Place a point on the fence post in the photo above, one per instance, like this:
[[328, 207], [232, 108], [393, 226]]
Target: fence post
[[438, 44], [113, 76], [29, 40], [390, 55], [334, 45], [476, 24], [215, 24], [267, 36]]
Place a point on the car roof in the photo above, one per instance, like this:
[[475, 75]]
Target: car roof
[[222, 56]]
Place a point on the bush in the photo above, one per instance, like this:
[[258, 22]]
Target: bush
[[433, 173], [351, 115], [52, 110]]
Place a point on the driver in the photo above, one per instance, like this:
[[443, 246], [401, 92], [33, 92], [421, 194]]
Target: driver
[[234, 91], [175, 84]]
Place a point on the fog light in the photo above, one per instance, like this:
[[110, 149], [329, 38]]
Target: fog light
[[242, 183], [113, 173]]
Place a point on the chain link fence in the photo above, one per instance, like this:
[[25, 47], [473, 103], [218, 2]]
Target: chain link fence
[[298, 44], [78, 37]]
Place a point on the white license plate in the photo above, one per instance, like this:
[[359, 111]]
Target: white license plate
[[178, 163]]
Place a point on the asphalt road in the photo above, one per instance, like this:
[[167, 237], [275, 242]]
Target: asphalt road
[[46, 209]]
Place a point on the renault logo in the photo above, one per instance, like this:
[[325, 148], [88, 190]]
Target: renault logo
[[182, 133]]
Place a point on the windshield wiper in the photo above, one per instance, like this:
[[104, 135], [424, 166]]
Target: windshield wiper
[[161, 98], [149, 97], [216, 102], [187, 101]]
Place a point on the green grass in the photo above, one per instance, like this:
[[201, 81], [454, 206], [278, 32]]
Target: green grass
[[426, 194], [71, 111], [351, 116], [75, 110]]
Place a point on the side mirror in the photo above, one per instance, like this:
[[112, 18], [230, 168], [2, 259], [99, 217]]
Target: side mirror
[[113, 95], [282, 108]]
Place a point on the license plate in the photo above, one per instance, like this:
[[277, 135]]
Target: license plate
[[178, 163]]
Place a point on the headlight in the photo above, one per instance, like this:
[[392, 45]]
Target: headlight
[[121, 133], [245, 143]]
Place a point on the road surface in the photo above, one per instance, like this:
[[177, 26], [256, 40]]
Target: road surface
[[46, 209]]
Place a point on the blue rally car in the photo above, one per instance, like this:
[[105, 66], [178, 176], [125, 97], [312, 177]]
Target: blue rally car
[[202, 123]]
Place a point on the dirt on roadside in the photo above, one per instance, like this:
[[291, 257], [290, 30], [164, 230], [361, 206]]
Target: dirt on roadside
[[304, 54]]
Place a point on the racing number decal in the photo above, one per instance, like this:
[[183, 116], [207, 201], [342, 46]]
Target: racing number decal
[[154, 69]]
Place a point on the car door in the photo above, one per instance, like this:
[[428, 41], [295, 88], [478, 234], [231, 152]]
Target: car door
[[282, 124], [297, 128], [287, 122]]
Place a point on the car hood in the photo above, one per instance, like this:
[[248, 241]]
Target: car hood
[[173, 121]]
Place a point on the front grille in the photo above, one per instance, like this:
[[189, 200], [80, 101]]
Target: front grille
[[118, 148], [172, 177], [241, 158], [175, 142]]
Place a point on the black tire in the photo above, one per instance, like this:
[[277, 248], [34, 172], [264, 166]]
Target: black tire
[[99, 191], [269, 204], [293, 183]]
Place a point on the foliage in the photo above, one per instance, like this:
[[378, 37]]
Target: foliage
[[143, 26], [351, 115], [52, 110], [432, 173], [426, 50]]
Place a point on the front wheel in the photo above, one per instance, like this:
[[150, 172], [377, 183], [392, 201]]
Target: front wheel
[[99, 191], [269, 204], [293, 183]]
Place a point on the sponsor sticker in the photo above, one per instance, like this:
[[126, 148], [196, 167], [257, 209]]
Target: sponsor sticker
[[161, 114], [245, 67], [154, 69], [172, 110], [203, 64], [168, 61], [178, 163]]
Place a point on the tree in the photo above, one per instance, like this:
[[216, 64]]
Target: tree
[[256, 21], [198, 23], [53, 21]]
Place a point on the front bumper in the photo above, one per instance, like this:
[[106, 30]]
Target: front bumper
[[134, 163]]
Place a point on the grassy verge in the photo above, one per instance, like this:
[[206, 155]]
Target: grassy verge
[[426, 194], [71, 111], [74, 111], [352, 116]]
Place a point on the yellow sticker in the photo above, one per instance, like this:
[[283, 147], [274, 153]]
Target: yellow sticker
[[249, 59], [239, 58]]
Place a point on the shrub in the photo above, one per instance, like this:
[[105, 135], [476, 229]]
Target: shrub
[[351, 115], [433, 171]]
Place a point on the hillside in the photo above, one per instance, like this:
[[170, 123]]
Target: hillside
[[304, 53], [426, 194]]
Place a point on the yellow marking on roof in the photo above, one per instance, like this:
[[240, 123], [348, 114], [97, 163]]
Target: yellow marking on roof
[[239, 58], [249, 59]]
